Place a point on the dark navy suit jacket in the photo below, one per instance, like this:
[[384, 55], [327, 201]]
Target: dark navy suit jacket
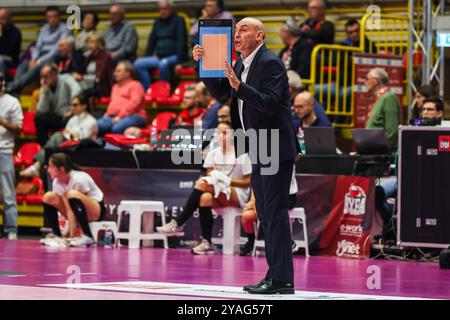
[[266, 100]]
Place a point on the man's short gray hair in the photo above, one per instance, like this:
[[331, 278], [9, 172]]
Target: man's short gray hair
[[128, 66], [166, 3], [380, 74]]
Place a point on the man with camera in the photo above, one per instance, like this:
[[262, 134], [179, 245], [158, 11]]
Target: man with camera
[[10, 124]]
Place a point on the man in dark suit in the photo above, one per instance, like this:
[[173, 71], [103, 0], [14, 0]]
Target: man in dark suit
[[260, 101]]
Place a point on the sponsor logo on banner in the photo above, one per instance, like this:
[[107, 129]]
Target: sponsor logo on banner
[[355, 201], [345, 247], [444, 143], [351, 229]]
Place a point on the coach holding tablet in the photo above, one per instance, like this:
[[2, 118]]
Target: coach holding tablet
[[260, 100]]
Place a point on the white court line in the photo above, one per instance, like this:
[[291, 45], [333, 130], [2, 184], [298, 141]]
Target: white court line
[[221, 292]]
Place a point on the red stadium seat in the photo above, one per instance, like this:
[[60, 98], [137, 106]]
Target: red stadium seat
[[12, 72], [162, 121], [177, 97], [157, 89], [186, 71], [104, 100], [26, 154], [35, 198], [28, 126]]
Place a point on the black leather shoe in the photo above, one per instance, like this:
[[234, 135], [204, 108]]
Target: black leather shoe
[[247, 249], [249, 286], [273, 287]]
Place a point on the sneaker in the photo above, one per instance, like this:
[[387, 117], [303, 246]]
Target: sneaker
[[12, 236], [47, 237], [171, 228], [55, 242], [247, 249], [203, 248], [29, 172], [83, 241], [295, 247]]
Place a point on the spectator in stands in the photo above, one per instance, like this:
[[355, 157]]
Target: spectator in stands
[[224, 113], [249, 217], [192, 113], [167, 45], [10, 42], [227, 184], [213, 9], [53, 108], [68, 59], [96, 77], [204, 99], [296, 55], [305, 114], [76, 196], [121, 37], [80, 126], [385, 112], [295, 88], [126, 108], [46, 49], [89, 24], [433, 107], [352, 32], [316, 28], [425, 91], [10, 125]]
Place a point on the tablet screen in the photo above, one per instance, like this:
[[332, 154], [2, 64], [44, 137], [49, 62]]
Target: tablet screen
[[215, 36]]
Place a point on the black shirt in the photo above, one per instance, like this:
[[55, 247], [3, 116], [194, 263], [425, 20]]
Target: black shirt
[[10, 42]]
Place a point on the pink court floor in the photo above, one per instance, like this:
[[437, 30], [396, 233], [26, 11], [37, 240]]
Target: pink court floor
[[31, 271]]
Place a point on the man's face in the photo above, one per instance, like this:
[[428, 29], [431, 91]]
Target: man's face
[[284, 35], [52, 18], [115, 14], [189, 98], [64, 47], [246, 38], [201, 98], [352, 32], [223, 114], [211, 8], [48, 77], [165, 11], [120, 73], [371, 83], [302, 107], [314, 9], [4, 17], [429, 111], [88, 22]]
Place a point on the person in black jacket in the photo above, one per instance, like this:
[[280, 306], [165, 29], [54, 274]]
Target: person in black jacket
[[259, 89], [10, 41], [167, 45], [297, 53], [68, 59], [316, 28]]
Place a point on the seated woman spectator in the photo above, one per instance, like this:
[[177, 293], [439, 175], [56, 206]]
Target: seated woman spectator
[[227, 184], [89, 24], [167, 45], [76, 196], [80, 126], [249, 217], [126, 108], [96, 78]]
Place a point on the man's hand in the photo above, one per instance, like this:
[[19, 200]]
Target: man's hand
[[77, 76], [305, 28], [198, 52], [232, 78], [115, 54], [45, 87], [33, 63], [178, 67], [115, 120]]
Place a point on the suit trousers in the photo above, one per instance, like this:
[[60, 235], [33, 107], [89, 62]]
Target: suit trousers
[[272, 205]]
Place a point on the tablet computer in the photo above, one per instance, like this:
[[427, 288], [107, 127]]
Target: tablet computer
[[215, 36]]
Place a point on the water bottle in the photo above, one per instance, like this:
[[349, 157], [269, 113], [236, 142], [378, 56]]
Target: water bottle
[[301, 140], [107, 239]]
